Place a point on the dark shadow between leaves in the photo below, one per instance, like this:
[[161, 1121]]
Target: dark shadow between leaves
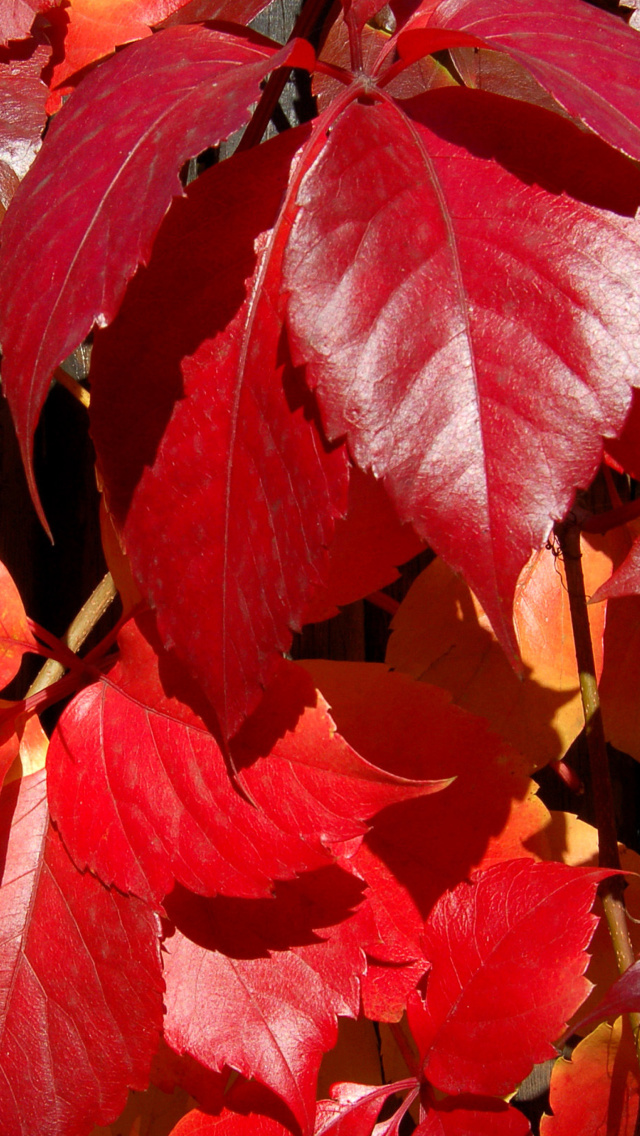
[[253, 928]]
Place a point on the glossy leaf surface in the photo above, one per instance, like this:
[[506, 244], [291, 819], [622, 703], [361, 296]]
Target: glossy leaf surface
[[81, 987], [354, 1109], [22, 112], [589, 61], [457, 414], [229, 434], [73, 253], [513, 929]]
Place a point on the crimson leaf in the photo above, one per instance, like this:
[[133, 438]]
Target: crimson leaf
[[81, 986], [67, 253], [508, 956], [140, 789], [588, 60], [195, 414], [486, 410]]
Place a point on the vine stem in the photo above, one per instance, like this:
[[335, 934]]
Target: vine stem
[[98, 603], [611, 890]]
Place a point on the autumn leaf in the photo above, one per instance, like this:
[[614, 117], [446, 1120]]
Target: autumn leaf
[[456, 414], [512, 928], [81, 990], [588, 61], [141, 793], [15, 634], [441, 635], [229, 433], [597, 1090], [74, 252], [258, 984]]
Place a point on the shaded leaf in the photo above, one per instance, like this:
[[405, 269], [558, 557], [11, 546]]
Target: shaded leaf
[[22, 111], [588, 61], [622, 998], [489, 409], [195, 413], [148, 1113], [441, 635], [17, 16], [81, 989], [472, 1116], [258, 984], [621, 675], [416, 851], [66, 256], [625, 580], [596, 1092], [234, 11], [507, 952], [141, 793], [368, 546]]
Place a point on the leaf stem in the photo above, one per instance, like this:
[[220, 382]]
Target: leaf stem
[[611, 890], [98, 603]]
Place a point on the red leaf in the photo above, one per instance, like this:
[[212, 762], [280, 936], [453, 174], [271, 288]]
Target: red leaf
[[625, 450], [625, 581], [15, 636], [66, 256], [507, 953], [622, 998], [233, 11], [81, 990], [588, 60], [22, 113], [355, 1108], [250, 1110], [17, 16], [258, 984], [230, 436], [472, 1116], [140, 789], [456, 414], [368, 545], [414, 853]]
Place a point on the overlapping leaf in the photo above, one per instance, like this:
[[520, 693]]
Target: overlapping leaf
[[441, 635], [488, 409], [461, 1117], [588, 61], [413, 854], [353, 1109], [368, 546], [80, 988], [15, 634], [17, 16], [206, 439], [508, 957], [597, 1091], [67, 251], [141, 792], [22, 113], [258, 984]]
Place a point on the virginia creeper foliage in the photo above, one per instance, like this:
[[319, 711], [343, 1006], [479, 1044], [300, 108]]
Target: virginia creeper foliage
[[411, 321]]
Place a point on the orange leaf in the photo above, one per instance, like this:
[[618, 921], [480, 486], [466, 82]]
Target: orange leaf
[[442, 636], [596, 1093]]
